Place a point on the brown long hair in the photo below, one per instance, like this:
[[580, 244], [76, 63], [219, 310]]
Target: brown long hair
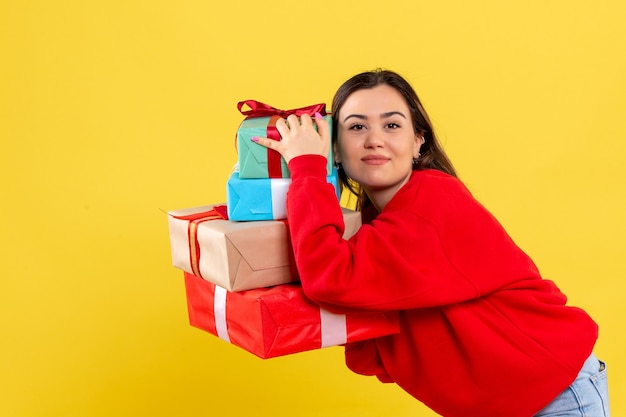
[[432, 155]]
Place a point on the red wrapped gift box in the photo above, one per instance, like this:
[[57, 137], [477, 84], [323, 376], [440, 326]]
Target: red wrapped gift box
[[279, 320]]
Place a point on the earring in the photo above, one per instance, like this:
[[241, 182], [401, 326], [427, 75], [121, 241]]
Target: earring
[[338, 166], [415, 160]]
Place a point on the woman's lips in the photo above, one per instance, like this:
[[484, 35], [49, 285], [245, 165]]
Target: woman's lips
[[374, 159]]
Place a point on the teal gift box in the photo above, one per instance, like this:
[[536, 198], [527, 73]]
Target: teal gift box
[[251, 199], [256, 161]]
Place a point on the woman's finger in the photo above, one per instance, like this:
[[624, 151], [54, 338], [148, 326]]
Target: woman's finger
[[293, 120], [305, 121], [281, 126], [269, 143], [322, 127]]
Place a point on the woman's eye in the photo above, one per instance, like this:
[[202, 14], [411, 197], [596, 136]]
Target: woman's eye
[[357, 127], [392, 125]]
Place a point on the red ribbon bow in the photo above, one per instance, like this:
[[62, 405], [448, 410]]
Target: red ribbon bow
[[258, 109], [218, 213]]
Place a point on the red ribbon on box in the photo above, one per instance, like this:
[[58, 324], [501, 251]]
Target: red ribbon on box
[[217, 213], [258, 109], [274, 166]]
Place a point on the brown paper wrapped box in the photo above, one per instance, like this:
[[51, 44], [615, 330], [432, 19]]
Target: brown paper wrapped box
[[237, 256]]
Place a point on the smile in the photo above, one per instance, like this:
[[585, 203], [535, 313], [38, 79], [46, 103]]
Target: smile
[[374, 159]]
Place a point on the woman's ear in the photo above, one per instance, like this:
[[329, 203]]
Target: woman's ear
[[336, 154], [420, 138], [419, 141]]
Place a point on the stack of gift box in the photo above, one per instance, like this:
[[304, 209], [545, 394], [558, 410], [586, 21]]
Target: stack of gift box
[[240, 276]]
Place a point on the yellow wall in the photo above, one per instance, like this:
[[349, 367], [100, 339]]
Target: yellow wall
[[112, 112]]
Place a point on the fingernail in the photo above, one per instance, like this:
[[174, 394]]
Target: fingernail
[[254, 138], [318, 115]]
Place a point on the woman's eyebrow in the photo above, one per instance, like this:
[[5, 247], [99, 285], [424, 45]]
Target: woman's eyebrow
[[391, 113], [358, 116], [382, 116]]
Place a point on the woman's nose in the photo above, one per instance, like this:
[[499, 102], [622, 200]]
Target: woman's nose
[[373, 139]]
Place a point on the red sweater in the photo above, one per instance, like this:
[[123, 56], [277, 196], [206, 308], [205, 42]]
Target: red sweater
[[482, 334]]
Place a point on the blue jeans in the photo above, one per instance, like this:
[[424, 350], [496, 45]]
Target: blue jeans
[[588, 396]]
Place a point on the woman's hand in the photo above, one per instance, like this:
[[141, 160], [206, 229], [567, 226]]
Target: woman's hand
[[299, 137]]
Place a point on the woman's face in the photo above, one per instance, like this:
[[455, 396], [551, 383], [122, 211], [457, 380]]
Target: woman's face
[[376, 142]]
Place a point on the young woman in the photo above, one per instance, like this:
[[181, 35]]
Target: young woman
[[482, 334]]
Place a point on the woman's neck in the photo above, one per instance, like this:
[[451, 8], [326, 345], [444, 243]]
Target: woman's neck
[[380, 197]]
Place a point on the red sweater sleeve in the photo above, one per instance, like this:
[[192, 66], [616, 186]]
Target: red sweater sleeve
[[363, 358], [432, 245]]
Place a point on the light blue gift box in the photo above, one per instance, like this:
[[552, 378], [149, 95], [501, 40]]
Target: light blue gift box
[[253, 157], [250, 199]]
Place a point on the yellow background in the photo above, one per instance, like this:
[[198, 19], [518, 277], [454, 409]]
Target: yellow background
[[113, 112]]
